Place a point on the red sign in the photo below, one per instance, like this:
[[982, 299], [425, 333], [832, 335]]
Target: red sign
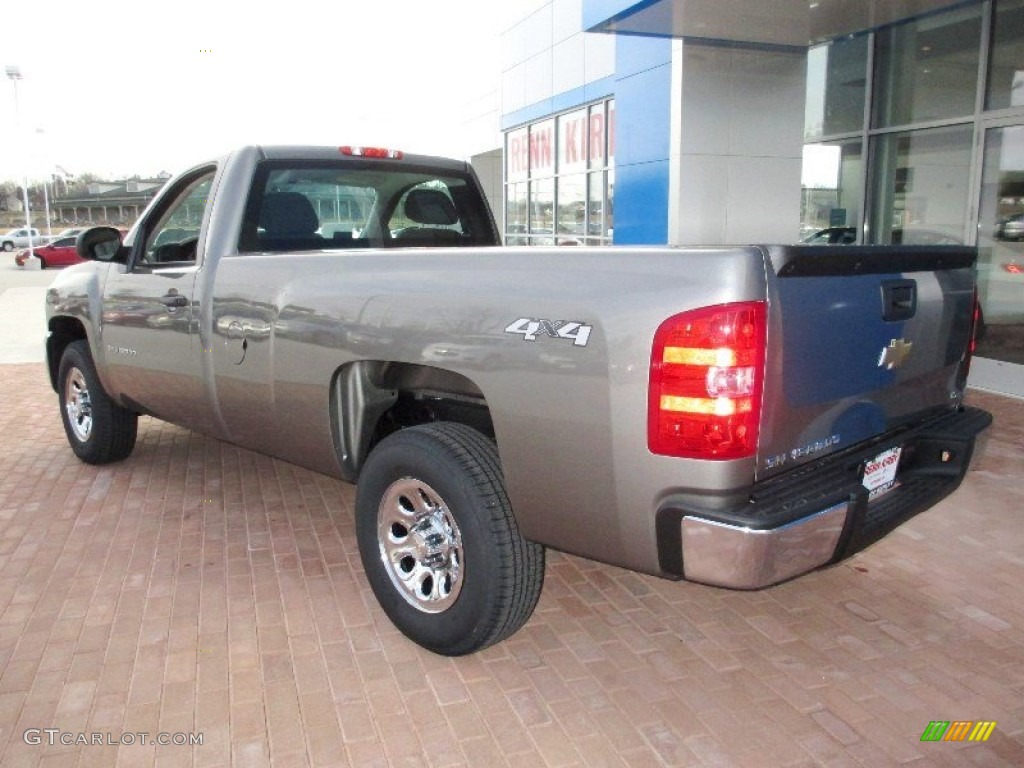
[[572, 141], [596, 136], [517, 154], [531, 152], [542, 145], [582, 140]]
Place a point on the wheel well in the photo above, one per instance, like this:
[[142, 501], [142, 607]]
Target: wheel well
[[370, 399], [63, 331]]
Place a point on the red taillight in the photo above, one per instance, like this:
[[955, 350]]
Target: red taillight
[[378, 153], [707, 370]]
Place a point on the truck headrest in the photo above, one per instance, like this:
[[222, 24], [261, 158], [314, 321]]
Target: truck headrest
[[288, 214], [430, 206]]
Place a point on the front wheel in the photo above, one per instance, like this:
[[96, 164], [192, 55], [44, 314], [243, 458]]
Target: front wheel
[[8, 246], [98, 429], [439, 543]]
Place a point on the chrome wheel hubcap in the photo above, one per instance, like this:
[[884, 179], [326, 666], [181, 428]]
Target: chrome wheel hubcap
[[420, 545], [78, 405]]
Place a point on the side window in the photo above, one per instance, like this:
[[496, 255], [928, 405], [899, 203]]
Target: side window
[[427, 215], [175, 233]]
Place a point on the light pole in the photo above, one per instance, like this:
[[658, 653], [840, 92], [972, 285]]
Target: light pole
[[14, 75], [46, 206], [46, 183]]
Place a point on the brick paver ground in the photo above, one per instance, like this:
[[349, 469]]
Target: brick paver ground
[[201, 588]]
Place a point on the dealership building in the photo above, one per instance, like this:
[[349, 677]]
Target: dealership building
[[709, 122]]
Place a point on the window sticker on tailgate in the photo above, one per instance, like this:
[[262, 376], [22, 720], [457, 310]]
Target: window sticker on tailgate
[[880, 473]]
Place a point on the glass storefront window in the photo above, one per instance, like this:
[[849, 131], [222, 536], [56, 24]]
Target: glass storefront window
[[595, 208], [832, 193], [1001, 245], [516, 214], [836, 85], [609, 204], [542, 149], [1006, 64], [572, 207], [927, 69], [920, 185], [597, 136], [542, 212], [567, 160], [517, 155], [609, 125], [933, 108]]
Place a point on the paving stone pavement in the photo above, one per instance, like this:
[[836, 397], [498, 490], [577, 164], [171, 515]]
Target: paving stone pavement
[[198, 588]]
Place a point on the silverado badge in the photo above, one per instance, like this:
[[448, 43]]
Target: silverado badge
[[894, 355]]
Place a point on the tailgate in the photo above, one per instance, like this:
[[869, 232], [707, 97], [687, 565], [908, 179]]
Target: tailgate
[[862, 340]]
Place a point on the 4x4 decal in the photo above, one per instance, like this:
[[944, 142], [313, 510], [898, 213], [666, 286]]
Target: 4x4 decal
[[531, 329]]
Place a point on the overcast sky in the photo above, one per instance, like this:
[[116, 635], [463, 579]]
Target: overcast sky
[[115, 88]]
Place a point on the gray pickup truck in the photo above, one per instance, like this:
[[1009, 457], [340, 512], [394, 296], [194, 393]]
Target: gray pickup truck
[[733, 415], [22, 238]]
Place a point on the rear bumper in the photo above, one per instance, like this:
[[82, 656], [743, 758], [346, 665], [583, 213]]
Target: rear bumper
[[819, 513], [745, 558]]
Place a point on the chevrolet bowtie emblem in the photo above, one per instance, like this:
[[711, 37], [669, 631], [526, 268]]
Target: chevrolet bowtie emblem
[[894, 355]]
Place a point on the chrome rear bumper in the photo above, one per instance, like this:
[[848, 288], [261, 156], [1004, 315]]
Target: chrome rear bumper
[[744, 558]]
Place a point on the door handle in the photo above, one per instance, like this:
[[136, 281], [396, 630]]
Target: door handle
[[174, 300]]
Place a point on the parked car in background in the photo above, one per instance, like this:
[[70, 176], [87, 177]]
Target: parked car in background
[[832, 236], [1011, 228], [59, 253], [19, 238]]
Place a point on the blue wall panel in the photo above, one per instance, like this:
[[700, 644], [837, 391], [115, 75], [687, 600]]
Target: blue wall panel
[[637, 53], [642, 136], [641, 204]]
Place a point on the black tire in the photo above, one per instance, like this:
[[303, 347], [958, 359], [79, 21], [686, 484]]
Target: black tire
[[8, 246], [42, 262], [98, 429], [482, 576]]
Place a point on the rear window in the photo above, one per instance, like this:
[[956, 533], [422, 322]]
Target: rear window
[[304, 206]]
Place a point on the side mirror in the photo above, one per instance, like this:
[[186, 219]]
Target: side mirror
[[99, 244]]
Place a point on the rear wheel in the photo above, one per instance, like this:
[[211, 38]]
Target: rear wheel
[[98, 429], [8, 246], [439, 543]]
